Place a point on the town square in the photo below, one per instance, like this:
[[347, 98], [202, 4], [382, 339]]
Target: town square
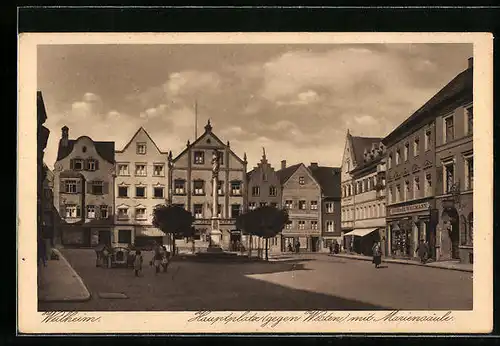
[[255, 177]]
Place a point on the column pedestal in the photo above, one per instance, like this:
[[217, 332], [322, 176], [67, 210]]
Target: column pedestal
[[215, 237]]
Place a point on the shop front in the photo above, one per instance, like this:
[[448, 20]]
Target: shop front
[[361, 240], [407, 225]]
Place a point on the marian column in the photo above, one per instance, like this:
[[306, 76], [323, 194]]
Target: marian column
[[215, 233]]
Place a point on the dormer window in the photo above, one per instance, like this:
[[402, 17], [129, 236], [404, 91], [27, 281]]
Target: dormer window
[[141, 148]]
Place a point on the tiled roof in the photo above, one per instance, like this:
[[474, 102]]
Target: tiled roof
[[286, 173], [461, 83], [328, 178], [105, 149], [359, 144]]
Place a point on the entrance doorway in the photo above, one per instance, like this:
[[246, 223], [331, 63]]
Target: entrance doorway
[[452, 224], [104, 238], [314, 244], [86, 237]]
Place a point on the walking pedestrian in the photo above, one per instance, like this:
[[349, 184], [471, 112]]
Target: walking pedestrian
[[138, 262], [422, 251], [377, 253], [336, 248]]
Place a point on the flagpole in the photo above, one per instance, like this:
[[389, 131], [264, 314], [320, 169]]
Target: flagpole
[[195, 119]]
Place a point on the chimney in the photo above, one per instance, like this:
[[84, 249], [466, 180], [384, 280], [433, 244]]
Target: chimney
[[470, 62], [64, 136], [314, 165], [283, 164]]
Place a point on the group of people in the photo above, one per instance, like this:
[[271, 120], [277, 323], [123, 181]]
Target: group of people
[[334, 247], [159, 261], [294, 248], [422, 251]]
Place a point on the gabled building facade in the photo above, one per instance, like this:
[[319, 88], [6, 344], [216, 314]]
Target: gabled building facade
[[264, 189], [141, 183], [83, 190], [190, 181], [330, 206], [347, 187], [301, 196], [369, 197]]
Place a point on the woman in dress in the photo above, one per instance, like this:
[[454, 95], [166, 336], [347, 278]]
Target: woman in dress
[[377, 254]]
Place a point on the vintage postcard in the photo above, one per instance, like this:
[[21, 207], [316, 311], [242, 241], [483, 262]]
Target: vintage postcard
[[255, 183]]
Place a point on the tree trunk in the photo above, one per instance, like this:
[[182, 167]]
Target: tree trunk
[[173, 245], [267, 258]]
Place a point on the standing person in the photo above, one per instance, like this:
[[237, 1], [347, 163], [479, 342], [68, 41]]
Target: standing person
[[377, 253], [330, 247], [336, 248], [156, 261], [290, 248], [422, 251], [164, 259], [297, 246], [138, 263]]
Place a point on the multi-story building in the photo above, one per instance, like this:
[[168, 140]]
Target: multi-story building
[[353, 157], [83, 190], [301, 195], [190, 179], [329, 181], [455, 171], [50, 217], [264, 189], [42, 139], [140, 184], [369, 200]]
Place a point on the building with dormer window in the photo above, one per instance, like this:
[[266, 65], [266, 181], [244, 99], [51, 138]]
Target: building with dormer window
[[141, 183], [190, 177], [83, 190], [368, 177]]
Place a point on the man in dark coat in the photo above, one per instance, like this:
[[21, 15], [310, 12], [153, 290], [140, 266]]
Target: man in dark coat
[[422, 251]]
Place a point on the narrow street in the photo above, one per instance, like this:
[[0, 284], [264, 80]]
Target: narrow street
[[294, 282]]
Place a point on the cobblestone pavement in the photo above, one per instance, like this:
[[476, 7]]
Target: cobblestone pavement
[[290, 282]]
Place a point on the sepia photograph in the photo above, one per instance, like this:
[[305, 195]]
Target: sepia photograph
[[247, 178]]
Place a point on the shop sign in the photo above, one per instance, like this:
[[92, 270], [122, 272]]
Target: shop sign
[[409, 208]]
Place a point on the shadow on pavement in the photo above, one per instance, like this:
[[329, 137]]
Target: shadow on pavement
[[198, 286]]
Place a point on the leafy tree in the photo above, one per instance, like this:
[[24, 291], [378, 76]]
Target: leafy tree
[[174, 221], [265, 222]]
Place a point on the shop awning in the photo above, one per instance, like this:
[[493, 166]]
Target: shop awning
[[151, 232], [361, 232]]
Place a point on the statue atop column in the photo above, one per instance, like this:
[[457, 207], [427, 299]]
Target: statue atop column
[[215, 163]]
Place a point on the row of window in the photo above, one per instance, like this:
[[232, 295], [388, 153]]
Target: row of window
[[363, 186], [272, 191], [412, 189], [92, 211], [253, 205], [399, 195], [363, 212], [141, 169], [448, 136], [313, 205], [78, 164], [313, 225], [141, 192], [406, 149], [199, 187], [95, 187]]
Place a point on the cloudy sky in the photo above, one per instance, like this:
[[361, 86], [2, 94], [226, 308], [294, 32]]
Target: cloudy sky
[[297, 101]]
